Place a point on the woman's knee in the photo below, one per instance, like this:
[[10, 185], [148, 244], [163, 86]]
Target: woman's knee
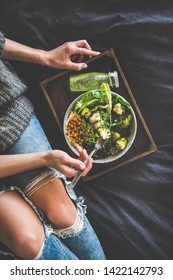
[[27, 245], [55, 203], [20, 228], [62, 216]]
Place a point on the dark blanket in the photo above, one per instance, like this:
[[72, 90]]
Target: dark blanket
[[131, 208]]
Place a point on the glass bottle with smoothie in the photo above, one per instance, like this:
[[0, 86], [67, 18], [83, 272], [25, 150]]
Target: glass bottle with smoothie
[[93, 80]]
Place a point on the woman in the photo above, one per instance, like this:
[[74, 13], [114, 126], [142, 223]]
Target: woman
[[40, 216]]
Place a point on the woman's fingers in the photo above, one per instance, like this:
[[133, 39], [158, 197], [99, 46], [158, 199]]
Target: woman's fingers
[[83, 156]]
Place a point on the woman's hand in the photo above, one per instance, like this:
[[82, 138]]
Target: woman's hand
[[66, 164], [67, 56], [70, 55], [61, 161]]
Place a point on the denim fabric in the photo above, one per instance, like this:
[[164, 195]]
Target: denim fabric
[[32, 140], [54, 249], [86, 245], [83, 245]]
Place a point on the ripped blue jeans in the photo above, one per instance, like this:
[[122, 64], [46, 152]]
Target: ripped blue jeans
[[76, 242]]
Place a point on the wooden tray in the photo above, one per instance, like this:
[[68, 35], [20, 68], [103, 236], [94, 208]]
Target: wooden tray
[[58, 95]]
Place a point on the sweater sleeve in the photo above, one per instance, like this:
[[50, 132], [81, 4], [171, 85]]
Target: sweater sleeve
[[2, 41]]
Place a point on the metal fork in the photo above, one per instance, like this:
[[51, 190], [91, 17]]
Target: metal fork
[[97, 146]]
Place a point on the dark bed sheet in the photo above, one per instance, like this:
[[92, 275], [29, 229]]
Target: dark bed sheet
[[130, 208]]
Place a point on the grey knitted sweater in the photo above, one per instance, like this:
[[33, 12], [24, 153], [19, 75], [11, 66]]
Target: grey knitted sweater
[[15, 107]]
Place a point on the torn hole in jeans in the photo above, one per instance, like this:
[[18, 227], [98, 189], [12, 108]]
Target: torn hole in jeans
[[40, 182], [73, 230]]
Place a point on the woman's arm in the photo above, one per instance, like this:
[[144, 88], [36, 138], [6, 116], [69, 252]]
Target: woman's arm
[[61, 57], [13, 164]]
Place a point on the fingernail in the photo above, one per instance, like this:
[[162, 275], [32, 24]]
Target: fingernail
[[85, 66], [79, 148], [98, 53]]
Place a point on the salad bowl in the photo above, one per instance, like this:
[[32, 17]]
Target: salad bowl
[[77, 109]]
